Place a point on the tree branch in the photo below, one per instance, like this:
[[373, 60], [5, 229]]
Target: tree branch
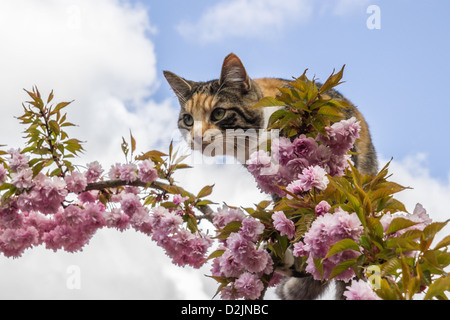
[[120, 183], [205, 209]]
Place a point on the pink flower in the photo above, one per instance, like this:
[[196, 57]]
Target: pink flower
[[178, 199], [164, 223], [325, 231], [322, 208], [48, 193], [283, 224], [141, 221], [13, 242], [18, 161], [419, 216], [73, 215], [249, 286], [300, 249], [88, 196], [360, 290], [295, 187], [341, 135], [226, 215], [251, 228], [116, 219], [240, 247], [76, 182], [22, 179], [305, 147], [227, 266], [282, 150], [94, 171], [228, 293], [94, 215], [128, 172], [258, 261], [130, 203], [258, 160], [3, 174], [114, 172], [147, 171], [313, 177], [10, 216]]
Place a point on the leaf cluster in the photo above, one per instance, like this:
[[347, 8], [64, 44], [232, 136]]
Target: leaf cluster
[[46, 137], [407, 263], [305, 106]]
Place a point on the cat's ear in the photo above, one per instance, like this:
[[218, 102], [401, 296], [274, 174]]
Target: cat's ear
[[180, 86], [234, 74]]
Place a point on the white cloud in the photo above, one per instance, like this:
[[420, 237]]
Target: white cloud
[[345, 7], [97, 53], [432, 193], [260, 19], [94, 52], [245, 19]]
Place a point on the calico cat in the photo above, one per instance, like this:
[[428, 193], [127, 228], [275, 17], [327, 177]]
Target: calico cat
[[209, 109]]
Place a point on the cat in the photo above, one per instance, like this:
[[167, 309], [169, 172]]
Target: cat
[[209, 109]]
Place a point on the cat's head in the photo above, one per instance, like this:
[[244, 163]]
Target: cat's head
[[211, 111]]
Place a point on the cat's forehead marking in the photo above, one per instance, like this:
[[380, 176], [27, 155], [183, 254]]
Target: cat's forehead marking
[[200, 105]]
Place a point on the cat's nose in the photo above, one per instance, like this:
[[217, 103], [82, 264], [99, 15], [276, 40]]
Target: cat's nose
[[204, 132], [211, 135]]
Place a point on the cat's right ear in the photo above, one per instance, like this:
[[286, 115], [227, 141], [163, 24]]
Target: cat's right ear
[[180, 86]]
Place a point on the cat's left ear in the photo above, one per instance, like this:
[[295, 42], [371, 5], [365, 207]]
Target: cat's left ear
[[233, 73], [180, 86]]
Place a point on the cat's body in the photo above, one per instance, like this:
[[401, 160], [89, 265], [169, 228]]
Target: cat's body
[[209, 109]]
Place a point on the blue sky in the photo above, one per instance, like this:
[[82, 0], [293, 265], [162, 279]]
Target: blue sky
[[397, 75], [108, 56]]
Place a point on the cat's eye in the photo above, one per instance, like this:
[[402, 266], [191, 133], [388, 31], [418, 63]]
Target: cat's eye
[[218, 114], [188, 120]]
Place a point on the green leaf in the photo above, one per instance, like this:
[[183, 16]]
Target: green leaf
[[50, 97], [443, 243], [344, 244], [191, 223], [318, 263], [399, 224], [133, 143], [403, 244], [268, 102], [204, 203], [390, 266], [233, 226], [433, 228], [54, 126], [341, 267], [388, 291], [206, 191], [332, 81], [277, 115], [60, 106], [153, 155], [215, 254], [438, 287], [332, 113]]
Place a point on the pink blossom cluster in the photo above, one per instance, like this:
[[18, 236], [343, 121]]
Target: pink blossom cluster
[[57, 211], [419, 216], [325, 231], [184, 247], [301, 158], [242, 261], [360, 290], [285, 226]]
